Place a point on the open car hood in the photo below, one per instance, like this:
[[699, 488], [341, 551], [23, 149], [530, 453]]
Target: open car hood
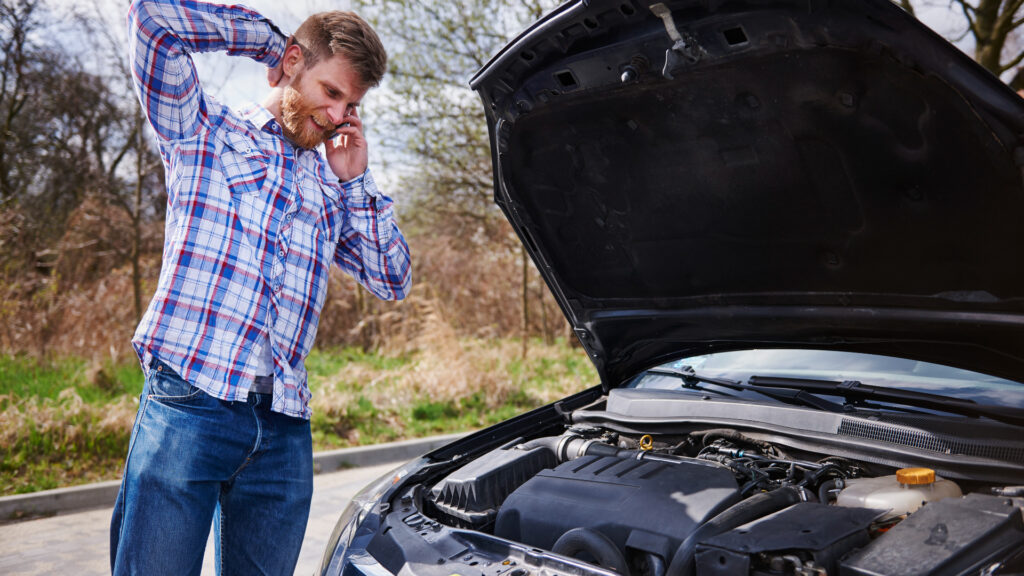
[[701, 176]]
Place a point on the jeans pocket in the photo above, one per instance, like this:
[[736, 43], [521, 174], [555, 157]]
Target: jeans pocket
[[166, 386]]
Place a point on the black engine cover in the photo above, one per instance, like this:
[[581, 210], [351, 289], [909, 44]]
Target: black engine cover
[[642, 506]]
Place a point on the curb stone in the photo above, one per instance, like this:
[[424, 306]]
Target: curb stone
[[103, 494]]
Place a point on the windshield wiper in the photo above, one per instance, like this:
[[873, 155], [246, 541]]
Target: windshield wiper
[[853, 390], [690, 378], [795, 396]]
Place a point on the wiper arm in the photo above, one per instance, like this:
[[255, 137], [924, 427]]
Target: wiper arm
[[690, 378], [799, 397], [855, 390]]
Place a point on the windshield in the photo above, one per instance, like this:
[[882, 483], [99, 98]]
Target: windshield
[[883, 371]]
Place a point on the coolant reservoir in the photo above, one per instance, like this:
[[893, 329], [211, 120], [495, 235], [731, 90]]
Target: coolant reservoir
[[901, 494]]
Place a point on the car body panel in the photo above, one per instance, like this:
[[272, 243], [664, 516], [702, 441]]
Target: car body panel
[[823, 174], [761, 219]]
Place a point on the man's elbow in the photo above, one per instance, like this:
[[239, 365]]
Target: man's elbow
[[393, 285], [395, 288]]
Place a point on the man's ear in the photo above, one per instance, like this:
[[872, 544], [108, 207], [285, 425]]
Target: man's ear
[[293, 62]]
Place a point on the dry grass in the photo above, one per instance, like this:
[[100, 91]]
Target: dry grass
[[465, 382], [437, 383], [447, 358], [47, 443]]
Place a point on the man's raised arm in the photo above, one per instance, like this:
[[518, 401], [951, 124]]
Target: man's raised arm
[[162, 34]]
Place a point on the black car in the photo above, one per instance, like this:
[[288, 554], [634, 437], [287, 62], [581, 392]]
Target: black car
[[790, 236]]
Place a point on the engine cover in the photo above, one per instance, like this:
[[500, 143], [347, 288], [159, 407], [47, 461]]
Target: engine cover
[[642, 506], [820, 533]]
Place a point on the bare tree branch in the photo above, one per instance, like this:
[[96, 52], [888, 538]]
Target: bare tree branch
[[1012, 63]]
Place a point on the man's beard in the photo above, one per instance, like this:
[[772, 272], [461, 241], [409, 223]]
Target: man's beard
[[295, 115]]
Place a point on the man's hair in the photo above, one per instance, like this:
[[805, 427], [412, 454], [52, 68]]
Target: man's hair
[[334, 33]]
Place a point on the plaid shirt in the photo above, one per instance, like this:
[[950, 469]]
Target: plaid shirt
[[253, 222]]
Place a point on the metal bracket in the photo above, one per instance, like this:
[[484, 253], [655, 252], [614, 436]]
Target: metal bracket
[[849, 384], [684, 46]]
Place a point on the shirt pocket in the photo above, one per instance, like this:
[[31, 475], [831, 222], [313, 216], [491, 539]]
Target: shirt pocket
[[243, 163]]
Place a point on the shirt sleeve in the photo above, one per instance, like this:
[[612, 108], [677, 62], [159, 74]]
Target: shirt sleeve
[[161, 36], [371, 248]]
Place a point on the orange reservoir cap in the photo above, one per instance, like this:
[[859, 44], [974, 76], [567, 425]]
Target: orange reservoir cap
[[915, 476]]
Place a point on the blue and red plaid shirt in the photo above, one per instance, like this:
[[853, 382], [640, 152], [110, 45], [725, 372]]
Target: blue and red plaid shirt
[[253, 222]]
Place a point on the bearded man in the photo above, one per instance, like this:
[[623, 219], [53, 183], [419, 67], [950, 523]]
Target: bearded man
[[260, 202]]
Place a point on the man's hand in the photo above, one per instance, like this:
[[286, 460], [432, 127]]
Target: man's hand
[[347, 152]]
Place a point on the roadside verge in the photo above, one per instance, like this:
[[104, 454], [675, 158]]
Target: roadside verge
[[102, 494]]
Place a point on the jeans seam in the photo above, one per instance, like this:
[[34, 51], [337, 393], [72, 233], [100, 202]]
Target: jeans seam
[[135, 430], [220, 535], [189, 396], [127, 459]]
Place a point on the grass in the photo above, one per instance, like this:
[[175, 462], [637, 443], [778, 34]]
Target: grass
[[67, 421], [26, 377], [454, 385]]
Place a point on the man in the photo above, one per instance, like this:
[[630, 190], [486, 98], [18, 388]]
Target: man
[[260, 202]]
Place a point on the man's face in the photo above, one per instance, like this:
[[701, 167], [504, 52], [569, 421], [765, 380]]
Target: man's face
[[317, 99]]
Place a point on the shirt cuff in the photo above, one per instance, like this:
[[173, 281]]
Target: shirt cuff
[[362, 185], [373, 210]]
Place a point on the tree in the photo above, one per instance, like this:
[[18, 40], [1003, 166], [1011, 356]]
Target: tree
[[431, 115], [992, 25], [126, 189], [44, 102], [78, 177], [436, 122], [18, 18]]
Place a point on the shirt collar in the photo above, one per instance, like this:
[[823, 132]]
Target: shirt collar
[[261, 118]]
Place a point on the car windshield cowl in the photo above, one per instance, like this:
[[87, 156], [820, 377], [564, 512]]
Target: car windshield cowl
[[853, 390], [808, 392]]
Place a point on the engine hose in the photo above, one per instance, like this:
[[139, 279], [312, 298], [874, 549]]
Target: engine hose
[[707, 436], [748, 510], [655, 565], [1009, 491], [825, 494], [594, 543]]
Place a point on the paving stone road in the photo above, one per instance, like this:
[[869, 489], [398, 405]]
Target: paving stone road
[[78, 543]]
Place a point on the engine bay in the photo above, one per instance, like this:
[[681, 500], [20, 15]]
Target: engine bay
[[711, 501]]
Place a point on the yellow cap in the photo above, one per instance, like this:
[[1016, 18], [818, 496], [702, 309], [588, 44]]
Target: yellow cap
[[915, 476]]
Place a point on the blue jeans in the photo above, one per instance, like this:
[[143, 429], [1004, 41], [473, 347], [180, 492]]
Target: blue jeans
[[194, 459]]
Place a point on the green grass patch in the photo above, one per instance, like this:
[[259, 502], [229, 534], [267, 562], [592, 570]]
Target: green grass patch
[[26, 377], [67, 421], [48, 443], [427, 410], [324, 363]]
